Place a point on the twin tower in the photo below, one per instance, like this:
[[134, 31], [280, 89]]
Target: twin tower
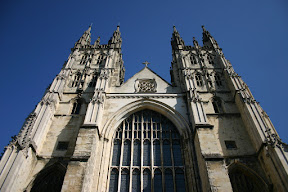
[[92, 131]]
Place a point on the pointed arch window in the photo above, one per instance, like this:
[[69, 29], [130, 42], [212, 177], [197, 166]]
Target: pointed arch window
[[217, 105], [93, 81], [76, 80], [147, 154], [49, 179], [245, 180], [210, 59], [198, 79], [100, 59], [76, 107], [218, 80], [193, 59], [83, 59]]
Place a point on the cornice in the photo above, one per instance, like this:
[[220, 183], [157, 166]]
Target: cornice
[[143, 96]]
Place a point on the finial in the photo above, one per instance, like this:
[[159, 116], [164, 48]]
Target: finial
[[146, 63], [89, 29], [194, 39], [174, 28], [91, 24], [203, 28], [118, 27]]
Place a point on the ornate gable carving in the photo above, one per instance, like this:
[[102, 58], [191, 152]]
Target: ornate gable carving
[[145, 86]]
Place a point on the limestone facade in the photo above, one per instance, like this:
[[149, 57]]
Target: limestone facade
[[67, 143]]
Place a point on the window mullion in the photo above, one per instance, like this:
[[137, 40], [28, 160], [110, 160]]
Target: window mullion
[[162, 163], [172, 157], [132, 151], [152, 155], [121, 155], [141, 158]]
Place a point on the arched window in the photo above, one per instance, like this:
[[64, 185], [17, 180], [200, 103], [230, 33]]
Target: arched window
[[198, 79], [217, 105], [83, 60], [76, 80], [93, 81], [150, 145], [76, 107], [210, 59], [218, 80], [100, 59], [193, 59], [50, 179], [245, 180]]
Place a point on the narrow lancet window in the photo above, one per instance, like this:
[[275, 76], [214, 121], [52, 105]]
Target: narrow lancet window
[[83, 60], [76, 80], [100, 59], [93, 81], [76, 107], [217, 105]]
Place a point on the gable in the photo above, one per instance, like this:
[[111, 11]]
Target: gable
[[145, 81]]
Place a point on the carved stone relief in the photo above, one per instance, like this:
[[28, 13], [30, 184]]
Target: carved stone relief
[[145, 86]]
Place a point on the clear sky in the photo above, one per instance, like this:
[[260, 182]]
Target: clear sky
[[36, 37]]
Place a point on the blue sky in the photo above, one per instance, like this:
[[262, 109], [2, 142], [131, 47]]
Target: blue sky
[[36, 37]]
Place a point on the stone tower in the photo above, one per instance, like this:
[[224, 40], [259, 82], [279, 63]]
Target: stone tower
[[92, 131]]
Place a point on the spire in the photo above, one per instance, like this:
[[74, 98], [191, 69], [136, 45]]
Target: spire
[[208, 40], [85, 39], [176, 41], [116, 40], [174, 29]]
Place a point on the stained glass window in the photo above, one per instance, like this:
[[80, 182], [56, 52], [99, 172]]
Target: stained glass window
[[147, 155]]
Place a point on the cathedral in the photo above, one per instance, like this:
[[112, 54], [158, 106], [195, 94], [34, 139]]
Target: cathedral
[[94, 132]]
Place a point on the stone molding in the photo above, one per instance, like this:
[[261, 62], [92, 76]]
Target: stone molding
[[144, 96], [116, 118]]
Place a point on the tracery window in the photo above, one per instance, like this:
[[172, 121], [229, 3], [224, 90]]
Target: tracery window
[[218, 80], [210, 59], [76, 80], [83, 60], [100, 59], [193, 59], [147, 155], [198, 79]]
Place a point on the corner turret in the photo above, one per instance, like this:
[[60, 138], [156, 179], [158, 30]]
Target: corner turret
[[85, 39], [116, 40], [176, 41]]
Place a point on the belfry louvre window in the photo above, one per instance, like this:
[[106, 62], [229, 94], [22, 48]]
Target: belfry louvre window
[[76, 80], [147, 155], [100, 59], [83, 60]]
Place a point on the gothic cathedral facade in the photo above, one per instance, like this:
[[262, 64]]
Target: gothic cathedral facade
[[92, 131]]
